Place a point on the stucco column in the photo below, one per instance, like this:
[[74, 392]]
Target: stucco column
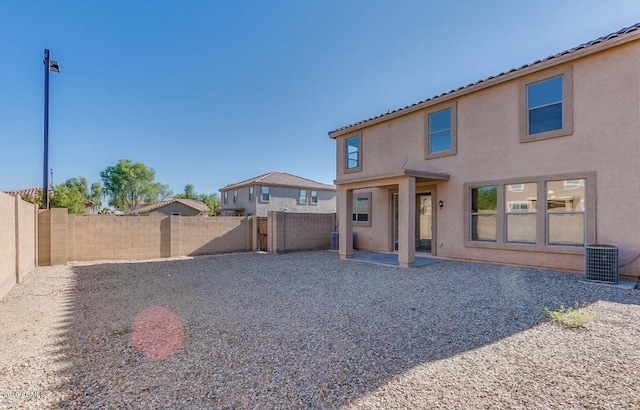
[[345, 222], [407, 222]]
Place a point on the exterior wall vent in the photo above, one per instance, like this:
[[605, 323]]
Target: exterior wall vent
[[601, 263]]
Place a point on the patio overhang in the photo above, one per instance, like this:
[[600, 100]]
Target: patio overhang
[[390, 178]]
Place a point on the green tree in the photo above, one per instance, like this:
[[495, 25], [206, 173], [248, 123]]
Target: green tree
[[211, 200], [161, 192], [128, 184], [70, 197], [80, 184], [95, 195], [33, 200], [189, 193]]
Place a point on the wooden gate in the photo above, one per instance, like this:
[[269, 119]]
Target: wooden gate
[[263, 234]]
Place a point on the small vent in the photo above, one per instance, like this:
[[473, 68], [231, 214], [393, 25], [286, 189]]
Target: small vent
[[601, 263]]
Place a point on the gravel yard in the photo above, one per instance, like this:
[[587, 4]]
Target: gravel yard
[[306, 330]]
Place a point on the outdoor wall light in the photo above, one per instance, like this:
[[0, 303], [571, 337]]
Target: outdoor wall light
[[440, 204]]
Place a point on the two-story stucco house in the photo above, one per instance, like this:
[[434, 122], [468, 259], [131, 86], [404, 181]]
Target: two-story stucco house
[[525, 167], [277, 191]]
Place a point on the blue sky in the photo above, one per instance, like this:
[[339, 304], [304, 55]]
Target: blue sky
[[210, 93]]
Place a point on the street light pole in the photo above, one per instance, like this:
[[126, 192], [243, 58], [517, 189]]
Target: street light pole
[[45, 182], [49, 65]]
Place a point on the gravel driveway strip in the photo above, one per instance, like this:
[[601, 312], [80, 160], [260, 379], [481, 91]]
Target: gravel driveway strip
[[307, 330]]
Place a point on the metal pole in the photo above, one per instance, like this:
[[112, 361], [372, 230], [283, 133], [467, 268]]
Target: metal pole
[[45, 182]]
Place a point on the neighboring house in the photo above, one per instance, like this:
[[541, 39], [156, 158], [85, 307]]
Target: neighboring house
[[33, 193], [173, 206], [276, 191], [525, 167]]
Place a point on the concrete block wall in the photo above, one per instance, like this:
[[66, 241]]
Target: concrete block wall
[[52, 237], [205, 236], [104, 237], [7, 243], [290, 231], [17, 241], [100, 237], [26, 238]]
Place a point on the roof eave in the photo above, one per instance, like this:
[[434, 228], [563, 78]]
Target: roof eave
[[483, 84]]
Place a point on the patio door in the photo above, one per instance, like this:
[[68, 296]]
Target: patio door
[[394, 207], [424, 234], [423, 222]]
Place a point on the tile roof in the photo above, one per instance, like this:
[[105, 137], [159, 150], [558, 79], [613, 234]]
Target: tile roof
[[32, 192], [200, 206], [280, 179], [631, 30]]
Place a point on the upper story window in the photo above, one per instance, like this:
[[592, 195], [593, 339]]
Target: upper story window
[[352, 154], [235, 196], [546, 105], [264, 194], [250, 193], [225, 197], [441, 132], [303, 196], [314, 197]]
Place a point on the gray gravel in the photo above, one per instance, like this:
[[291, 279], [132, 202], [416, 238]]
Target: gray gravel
[[306, 330]]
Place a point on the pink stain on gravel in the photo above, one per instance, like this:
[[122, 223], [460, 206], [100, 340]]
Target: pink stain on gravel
[[157, 333]]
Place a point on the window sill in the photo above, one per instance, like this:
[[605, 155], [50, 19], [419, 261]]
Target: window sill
[[350, 170], [440, 154], [562, 249], [546, 135]]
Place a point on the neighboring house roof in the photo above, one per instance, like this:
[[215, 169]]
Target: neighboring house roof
[[197, 205], [32, 192], [626, 34], [280, 179]]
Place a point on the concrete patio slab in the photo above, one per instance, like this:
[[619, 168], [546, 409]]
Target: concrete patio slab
[[390, 259]]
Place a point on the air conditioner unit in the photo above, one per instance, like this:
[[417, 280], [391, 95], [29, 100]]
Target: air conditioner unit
[[601, 263]]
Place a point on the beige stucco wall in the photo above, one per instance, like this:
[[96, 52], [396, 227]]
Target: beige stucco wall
[[605, 139]]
